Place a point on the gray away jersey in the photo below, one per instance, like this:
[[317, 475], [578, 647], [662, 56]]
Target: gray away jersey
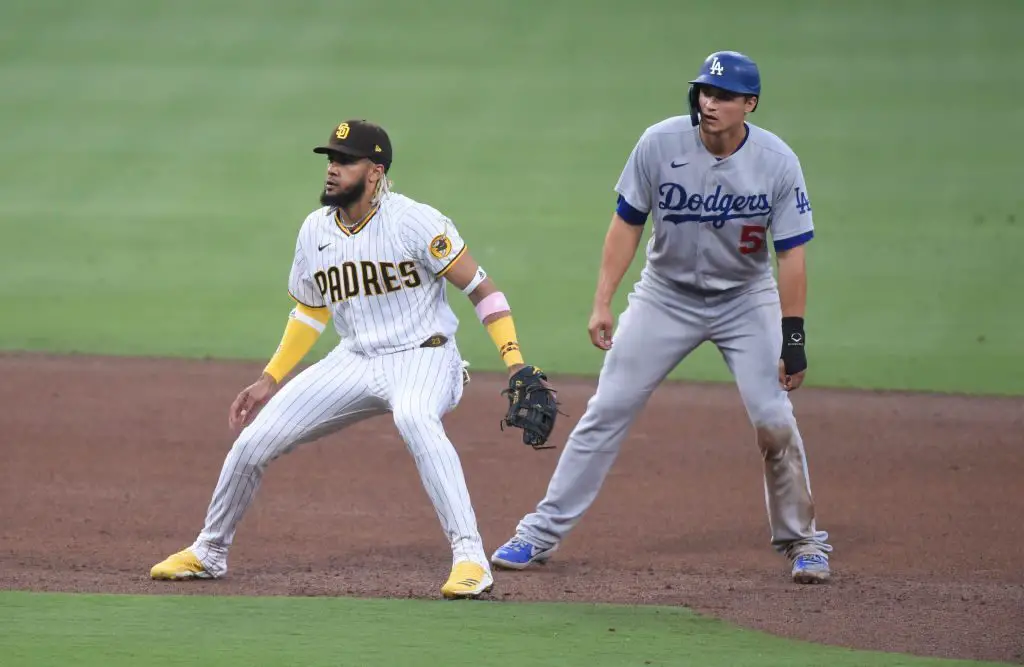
[[712, 217], [383, 279]]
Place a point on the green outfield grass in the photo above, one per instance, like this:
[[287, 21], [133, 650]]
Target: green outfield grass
[[106, 631], [157, 164]]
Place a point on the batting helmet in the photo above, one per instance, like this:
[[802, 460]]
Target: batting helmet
[[728, 70]]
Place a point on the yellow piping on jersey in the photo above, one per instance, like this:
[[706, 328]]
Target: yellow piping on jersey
[[450, 264], [358, 226]]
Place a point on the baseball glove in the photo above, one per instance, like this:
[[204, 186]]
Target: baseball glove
[[531, 406]]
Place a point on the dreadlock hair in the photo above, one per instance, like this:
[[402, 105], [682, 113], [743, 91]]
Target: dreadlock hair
[[382, 189]]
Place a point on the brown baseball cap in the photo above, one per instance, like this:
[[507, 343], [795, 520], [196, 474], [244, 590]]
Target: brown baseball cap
[[360, 138]]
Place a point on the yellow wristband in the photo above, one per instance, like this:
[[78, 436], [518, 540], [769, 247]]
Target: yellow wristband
[[503, 332]]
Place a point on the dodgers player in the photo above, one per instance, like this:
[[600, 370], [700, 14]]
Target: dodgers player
[[715, 185], [375, 262]]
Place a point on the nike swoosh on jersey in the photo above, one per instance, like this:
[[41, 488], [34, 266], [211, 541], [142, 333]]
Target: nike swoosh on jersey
[[321, 247]]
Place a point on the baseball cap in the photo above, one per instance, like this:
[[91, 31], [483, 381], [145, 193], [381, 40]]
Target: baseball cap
[[360, 138]]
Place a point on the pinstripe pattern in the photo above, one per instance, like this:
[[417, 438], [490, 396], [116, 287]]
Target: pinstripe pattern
[[377, 368], [425, 384], [416, 386], [300, 281], [325, 397], [402, 230]]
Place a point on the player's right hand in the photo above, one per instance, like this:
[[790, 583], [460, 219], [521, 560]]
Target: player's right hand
[[600, 327], [249, 401]]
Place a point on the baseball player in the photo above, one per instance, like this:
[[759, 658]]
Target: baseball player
[[375, 262], [716, 187]]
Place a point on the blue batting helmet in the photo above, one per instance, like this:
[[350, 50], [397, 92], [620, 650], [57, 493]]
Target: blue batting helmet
[[728, 70]]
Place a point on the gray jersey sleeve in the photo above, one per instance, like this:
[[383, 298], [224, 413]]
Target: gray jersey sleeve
[[792, 223], [301, 285], [634, 185]]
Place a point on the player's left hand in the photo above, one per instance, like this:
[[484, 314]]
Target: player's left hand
[[790, 382], [532, 405]]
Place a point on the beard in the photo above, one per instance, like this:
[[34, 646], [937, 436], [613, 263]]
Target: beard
[[344, 198]]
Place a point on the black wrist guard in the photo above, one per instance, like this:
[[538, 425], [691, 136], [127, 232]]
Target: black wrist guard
[[793, 356]]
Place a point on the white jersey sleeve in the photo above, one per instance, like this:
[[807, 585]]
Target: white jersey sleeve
[[301, 285], [432, 239], [634, 184], [792, 223]]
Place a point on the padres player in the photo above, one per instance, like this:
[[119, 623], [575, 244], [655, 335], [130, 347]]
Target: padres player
[[375, 262], [716, 187]]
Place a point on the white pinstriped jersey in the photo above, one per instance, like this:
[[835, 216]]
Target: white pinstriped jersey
[[383, 279]]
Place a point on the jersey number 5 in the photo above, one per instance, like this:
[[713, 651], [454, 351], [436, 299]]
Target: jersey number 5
[[751, 239]]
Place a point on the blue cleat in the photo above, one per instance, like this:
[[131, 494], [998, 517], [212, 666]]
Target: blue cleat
[[518, 554], [811, 568]]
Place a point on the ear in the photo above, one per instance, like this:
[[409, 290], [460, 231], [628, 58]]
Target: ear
[[751, 104]]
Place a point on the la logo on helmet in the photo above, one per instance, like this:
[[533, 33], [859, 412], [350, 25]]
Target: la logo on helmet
[[716, 67]]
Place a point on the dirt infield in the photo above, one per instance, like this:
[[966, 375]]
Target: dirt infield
[[109, 465]]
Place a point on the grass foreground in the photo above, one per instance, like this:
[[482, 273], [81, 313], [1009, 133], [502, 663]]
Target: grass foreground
[[60, 629]]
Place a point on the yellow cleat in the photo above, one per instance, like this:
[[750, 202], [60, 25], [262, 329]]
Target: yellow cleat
[[468, 580], [182, 565]]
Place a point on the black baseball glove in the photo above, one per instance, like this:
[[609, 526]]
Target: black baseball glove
[[531, 406]]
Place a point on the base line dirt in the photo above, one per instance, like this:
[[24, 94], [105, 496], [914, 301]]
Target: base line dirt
[[108, 466]]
